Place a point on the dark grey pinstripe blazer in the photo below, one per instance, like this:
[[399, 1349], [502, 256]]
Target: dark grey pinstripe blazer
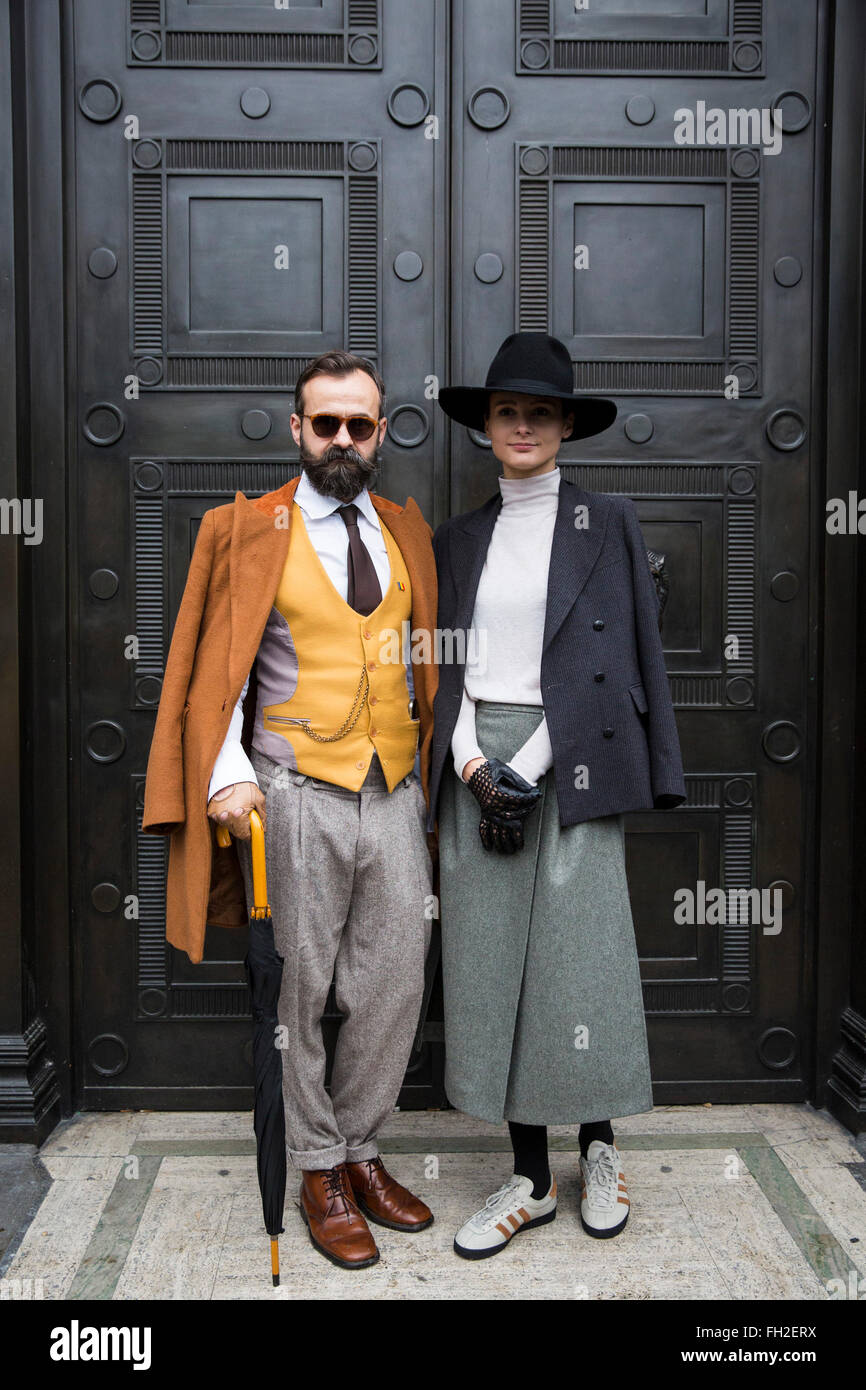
[[603, 680]]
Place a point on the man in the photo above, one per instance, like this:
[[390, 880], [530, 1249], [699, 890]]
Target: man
[[281, 644]]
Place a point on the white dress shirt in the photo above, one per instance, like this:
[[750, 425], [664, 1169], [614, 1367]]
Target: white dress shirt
[[330, 540]]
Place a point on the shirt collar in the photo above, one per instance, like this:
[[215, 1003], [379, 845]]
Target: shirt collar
[[316, 506]]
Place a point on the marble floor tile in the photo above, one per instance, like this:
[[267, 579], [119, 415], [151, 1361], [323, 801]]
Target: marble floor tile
[[92, 1133], [81, 1168], [57, 1239], [176, 1249], [213, 1124], [819, 1151], [751, 1247], [841, 1202]]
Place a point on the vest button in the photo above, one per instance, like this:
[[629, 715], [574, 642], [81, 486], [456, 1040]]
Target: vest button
[[371, 665], [360, 764], [374, 699], [608, 733], [367, 634], [598, 624], [599, 676]]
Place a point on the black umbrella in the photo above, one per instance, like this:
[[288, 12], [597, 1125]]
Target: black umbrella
[[264, 971]]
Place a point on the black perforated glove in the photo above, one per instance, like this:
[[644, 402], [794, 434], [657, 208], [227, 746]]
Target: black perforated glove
[[503, 835], [501, 791], [506, 799]]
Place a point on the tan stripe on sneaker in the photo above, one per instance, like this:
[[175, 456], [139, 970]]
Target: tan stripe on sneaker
[[522, 1212], [504, 1229], [514, 1221], [624, 1199]]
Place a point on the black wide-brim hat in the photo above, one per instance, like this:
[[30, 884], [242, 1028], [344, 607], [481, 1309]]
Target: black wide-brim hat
[[537, 365]]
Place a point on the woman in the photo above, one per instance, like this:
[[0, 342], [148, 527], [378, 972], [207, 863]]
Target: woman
[[560, 721]]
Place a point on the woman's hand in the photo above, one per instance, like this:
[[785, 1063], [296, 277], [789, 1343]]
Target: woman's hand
[[232, 805], [471, 766], [505, 798], [501, 834], [500, 790]]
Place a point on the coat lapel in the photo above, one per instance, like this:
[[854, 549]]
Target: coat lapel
[[259, 546], [574, 551], [409, 529], [412, 535]]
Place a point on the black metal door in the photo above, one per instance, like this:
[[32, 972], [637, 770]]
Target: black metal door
[[253, 183], [679, 272]]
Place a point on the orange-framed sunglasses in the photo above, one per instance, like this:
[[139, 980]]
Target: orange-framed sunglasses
[[360, 427]]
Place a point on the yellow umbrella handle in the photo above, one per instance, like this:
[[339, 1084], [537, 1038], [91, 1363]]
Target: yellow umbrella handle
[[260, 883]]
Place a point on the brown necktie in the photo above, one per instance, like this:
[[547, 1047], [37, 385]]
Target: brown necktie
[[364, 593]]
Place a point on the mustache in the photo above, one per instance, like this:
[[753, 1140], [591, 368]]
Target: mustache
[[340, 473]]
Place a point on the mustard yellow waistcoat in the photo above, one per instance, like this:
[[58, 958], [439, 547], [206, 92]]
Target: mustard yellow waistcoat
[[335, 647]]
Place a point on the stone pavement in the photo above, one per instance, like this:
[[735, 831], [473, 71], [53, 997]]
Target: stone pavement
[[728, 1202]]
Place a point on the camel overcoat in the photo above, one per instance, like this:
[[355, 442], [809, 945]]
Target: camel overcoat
[[233, 577]]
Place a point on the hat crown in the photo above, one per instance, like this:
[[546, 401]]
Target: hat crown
[[535, 357], [529, 364]]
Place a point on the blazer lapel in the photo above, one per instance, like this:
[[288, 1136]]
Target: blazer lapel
[[574, 551], [468, 556]]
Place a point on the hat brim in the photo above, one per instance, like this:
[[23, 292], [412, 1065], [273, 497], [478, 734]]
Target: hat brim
[[468, 406]]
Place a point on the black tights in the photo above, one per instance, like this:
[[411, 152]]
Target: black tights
[[529, 1143]]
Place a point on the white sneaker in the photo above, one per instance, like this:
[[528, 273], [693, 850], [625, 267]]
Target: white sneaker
[[510, 1209], [603, 1192]]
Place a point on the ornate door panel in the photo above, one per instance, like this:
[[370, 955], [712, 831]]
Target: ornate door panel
[[601, 199], [253, 184]]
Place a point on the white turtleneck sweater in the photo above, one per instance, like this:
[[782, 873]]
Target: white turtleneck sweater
[[508, 620]]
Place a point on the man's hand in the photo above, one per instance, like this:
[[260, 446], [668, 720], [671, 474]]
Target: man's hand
[[232, 805]]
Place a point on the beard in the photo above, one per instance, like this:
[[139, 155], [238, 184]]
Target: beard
[[338, 473]]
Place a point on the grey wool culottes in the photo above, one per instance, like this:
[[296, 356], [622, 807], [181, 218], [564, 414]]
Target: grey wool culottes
[[544, 1020]]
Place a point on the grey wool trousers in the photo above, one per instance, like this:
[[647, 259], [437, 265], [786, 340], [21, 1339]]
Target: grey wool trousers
[[350, 891]]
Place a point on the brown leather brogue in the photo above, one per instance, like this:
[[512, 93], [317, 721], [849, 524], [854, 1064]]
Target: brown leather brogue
[[383, 1200], [336, 1226]]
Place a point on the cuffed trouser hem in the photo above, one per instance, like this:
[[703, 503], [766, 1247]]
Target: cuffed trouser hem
[[357, 1155], [318, 1158]]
